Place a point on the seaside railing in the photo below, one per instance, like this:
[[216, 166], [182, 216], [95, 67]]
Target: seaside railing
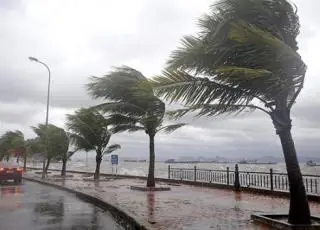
[[258, 180]]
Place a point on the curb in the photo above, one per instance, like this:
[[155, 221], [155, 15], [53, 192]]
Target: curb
[[125, 220]]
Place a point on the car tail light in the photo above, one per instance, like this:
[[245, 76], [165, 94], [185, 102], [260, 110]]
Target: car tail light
[[1, 169], [20, 169]]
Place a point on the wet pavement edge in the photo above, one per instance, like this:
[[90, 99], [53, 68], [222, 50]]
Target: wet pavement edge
[[137, 223]]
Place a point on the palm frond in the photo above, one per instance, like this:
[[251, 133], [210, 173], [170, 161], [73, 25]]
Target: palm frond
[[213, 110], [112, 148], [71, 153], [171, 128], [121, 84], [126, 128], [81, 143], [120, 107], [120, 119], [180, 86]]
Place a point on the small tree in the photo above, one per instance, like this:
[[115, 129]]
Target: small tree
[[245, 56], [12, 142], [54, 139], [89, 131], [133, 108], [31, 146]]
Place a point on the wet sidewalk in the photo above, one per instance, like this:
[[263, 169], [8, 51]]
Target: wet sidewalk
[[184, 207]]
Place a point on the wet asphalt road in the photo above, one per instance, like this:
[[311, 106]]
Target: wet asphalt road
[[31, 206]]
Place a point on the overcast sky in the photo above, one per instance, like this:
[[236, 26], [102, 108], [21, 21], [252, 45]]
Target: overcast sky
[[81, 38]]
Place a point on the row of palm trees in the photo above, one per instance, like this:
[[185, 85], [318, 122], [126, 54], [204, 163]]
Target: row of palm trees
[[244, 57], [87, 130]]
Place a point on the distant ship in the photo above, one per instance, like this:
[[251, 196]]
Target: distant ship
[[173, 161], [255, 162], [311, 163], [135, 161]]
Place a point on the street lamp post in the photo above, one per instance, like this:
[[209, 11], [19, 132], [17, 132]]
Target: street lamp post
[[47, 113]]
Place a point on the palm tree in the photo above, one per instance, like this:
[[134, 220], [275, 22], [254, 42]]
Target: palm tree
[[56, 139], [133, 107], [245, 56], [89, 131], [32, 145], [65, 154], [12, 142]]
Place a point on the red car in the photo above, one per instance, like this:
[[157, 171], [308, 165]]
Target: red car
[[10, 172]]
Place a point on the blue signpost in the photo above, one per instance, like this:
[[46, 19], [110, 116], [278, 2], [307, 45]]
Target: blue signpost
[[114, 161]]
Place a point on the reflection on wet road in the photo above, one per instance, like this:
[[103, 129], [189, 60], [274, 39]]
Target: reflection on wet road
[[35, 207]]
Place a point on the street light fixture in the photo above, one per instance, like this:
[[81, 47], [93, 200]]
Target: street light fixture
[[47, 114]]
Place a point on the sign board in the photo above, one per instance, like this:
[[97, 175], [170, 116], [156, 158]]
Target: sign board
[[114, 159]]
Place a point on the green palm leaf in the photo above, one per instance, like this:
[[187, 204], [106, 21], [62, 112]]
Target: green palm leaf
[[126, 128], [112, 148], [171, 128]]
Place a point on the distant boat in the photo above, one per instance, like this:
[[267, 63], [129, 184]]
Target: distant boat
[[255, 162], [311, 163], [173, 161], [135, 161]]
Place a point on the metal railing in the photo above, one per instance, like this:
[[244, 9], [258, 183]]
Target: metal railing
[[258, 180]]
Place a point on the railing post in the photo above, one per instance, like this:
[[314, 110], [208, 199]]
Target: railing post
[[195, 174], [271, 179], [228, 182], [236, 178], [168, 171]]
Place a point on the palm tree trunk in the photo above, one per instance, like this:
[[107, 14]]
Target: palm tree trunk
[[25, 161], [64, 166], [98, 162], [47, 166], [150, 180], [299, 211]]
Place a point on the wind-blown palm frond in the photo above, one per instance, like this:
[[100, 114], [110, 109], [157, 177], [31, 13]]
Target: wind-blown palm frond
[[117, 119], [120, 107], [180, 86], [242, 53], [120, 84], [211, 110], [171, 128], [111, 148], [126, 128], [81, 142], [70, 154]]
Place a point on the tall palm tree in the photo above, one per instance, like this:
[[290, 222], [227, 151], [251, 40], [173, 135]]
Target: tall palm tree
[[245, 56], [56, 139], [89, 130], [132, 107]]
